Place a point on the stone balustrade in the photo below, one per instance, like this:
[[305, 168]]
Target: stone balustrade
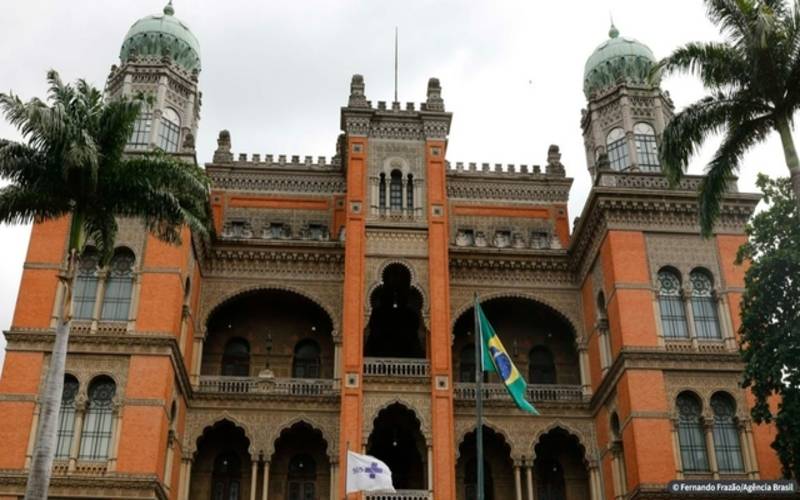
[[396, 367], [402, 495], [267, 385], [536, 393]]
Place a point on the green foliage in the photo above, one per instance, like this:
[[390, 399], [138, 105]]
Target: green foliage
[[753, 80], [770, 331], [72, 162]]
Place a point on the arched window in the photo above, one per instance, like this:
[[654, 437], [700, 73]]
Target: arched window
[[96, 434], [302, 478], [66, 417], [306, 362], [119, 286], [140, 137], [227, 476], [646, 148], [616, 431], [396, 190], [236, 358], [726, 437], [170, 131], [690, 434], [673, 315], [410, 192], [541, 367], [704, 308], [382, 191], [617, 148], [85, 292]]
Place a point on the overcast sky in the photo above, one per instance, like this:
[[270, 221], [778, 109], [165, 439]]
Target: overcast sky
[[276, 73]]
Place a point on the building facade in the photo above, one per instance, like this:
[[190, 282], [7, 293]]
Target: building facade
[[332, 310]]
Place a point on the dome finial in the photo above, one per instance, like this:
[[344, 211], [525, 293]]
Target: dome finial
[[169, 10], [613, 32]]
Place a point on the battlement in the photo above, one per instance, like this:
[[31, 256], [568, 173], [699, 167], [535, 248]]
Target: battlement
[[223, 155], [553, 168]]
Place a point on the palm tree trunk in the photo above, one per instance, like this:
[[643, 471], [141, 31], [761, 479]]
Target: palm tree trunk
[[45, 448], [790, 153]]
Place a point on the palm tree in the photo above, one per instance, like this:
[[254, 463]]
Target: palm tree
[[71, 163], [753, 79]]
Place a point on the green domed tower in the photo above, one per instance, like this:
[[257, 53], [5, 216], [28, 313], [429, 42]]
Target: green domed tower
[[160, 58], [627, 110]]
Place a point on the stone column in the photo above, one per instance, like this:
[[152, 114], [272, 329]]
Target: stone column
[[265, 485], [529, 479], [676, 450], [708, 427], [418, 201], [686, 296], [115, 435], [595, 492], [404, 195], [168, 461], [97, 310], [430, 468], [337, 360], [374, 190], [333, 482], [725, 325], [136, 291], [197, 360], [583, 359], [34, 432], [253, 478], [517, 482], [743, 445], [187, 480], [752, 450]]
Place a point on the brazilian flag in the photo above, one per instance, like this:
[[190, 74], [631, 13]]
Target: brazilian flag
[[495, 358]]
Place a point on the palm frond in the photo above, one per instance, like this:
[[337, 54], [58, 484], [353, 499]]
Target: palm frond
[[732, 18], [718, 65], [101, 229], [20, 205]]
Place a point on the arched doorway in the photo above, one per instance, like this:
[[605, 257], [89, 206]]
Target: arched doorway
[[395, 328], [299, 468], [560, 471], [498, 467], [397, 440], [221, 468]]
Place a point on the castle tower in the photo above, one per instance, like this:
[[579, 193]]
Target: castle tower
[[627, 109], [160, 60]]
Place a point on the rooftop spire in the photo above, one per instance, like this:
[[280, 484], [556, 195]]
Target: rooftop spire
[[169, 10], [613, 32]]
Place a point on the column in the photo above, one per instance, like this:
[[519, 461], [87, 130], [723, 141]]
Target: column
[[187, 480], [676, 450], [168, 461], [337, 360], [748, 466], [135, 293], [181, 480], [708, 426], [265, 485], [517, 482], [430, 468], [197, 358], [75, 447], [115, 432], [725, 325], [583, 359], [529, 478], [595, 492], [97, 310], [333, 482], [253, 478], [752, 450], [374, 190], [686, 296], [34, 432], [615, 478]]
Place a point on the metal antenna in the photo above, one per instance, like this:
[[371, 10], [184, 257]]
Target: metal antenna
[[395, 63]]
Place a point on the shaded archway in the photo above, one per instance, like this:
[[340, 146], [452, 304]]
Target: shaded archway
[[397, 440], [272, 323], [560, 471], [221, 467], [299, 468], [528, 329], [395, 328], [498, 467]]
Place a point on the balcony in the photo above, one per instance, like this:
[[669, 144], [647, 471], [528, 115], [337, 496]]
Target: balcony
[[536, 393], [396, 368], [401, 495], [270, 386]]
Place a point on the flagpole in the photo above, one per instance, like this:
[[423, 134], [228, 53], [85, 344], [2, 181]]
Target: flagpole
[[479, 398]]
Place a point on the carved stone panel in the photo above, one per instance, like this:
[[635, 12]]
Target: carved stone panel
[[684, 252]]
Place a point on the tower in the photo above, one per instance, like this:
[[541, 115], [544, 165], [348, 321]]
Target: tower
[[626, 108]]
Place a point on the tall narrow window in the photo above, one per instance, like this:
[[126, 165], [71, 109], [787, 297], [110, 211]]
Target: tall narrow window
[[726, 437], [302, 478], [396, 190], [140, 137], [646, 148], [618, 150], [690, 434], [306, 362], [673, 315], [227, 476], [541, 367], [66, 417], [704, 308], [96, 434], [169, 131], [382, 191], [236, 358], [119, 286], [85, 292], [410, 192]]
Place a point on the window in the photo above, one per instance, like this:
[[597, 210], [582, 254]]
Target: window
[[236, 358], [227, 476], [396, 191], [410, 192], [306, 360], [318, 232], [542, 367], [66, 417], [646, 148], [726, 437], [382, 191], [690, 434], [673, 315], [140, 138], [96, 435], [617, 150], [302, 478], [119, 286], [85, 292], [704, 307], [170, 131], [540, 239]]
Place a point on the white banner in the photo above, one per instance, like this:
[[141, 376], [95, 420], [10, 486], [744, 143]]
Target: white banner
[[366, 473]]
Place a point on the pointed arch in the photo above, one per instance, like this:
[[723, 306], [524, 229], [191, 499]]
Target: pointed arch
[[584, 441], [424, 425], [204, 427], [330, 442], [497, 429]]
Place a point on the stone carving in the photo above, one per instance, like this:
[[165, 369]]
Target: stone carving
[[465, 238], [480, 240], [501, 239]]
